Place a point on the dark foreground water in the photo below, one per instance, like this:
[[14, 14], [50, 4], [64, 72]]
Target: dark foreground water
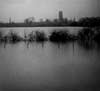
[[49, 67]]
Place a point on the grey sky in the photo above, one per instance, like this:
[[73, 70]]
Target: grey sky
[[18, 10]]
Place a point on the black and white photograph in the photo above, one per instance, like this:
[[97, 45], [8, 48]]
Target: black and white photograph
[[49, 45]]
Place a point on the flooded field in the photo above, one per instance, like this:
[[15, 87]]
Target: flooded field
[[48, 66]]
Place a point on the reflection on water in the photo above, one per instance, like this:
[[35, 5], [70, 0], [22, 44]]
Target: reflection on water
[[49, 67]]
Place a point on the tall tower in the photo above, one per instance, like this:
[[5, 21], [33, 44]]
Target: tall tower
[[10, 20], [60, 16]]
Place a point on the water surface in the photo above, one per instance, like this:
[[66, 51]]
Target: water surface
[[48, 67]]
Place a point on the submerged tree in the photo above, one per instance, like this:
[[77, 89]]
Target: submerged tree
[[59, 36], [13, 37], [40, 36]]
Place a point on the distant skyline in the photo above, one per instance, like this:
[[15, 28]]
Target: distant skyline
[[18, 10]]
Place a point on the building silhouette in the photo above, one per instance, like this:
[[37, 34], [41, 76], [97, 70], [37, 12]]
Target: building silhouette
[[29, 20], [61, 16], [10, 21]]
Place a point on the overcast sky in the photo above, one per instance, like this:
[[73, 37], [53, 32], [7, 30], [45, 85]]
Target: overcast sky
[[18, 10]]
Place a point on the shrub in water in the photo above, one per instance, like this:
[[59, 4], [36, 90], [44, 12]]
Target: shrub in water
[[1, 36], [31, 37], [40, 36], [86, 34], [59, 36], [13, 37]]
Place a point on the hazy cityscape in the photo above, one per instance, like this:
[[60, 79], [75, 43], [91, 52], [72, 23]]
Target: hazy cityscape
[[59, 21]]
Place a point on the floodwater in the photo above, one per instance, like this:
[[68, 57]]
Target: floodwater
[[48, 66]]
